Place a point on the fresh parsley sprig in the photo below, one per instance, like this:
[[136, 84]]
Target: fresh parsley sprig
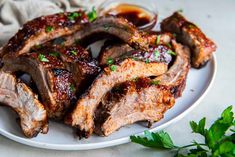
[[218, 142], [92, 15]]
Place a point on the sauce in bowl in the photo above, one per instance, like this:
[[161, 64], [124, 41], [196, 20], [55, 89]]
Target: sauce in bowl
[[138, 15]]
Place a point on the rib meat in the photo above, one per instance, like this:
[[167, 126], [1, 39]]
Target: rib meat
[[54, 83], [189, 34], [175, 77], [143, 98], [111, 50], [129, 102], [109, 26], [14, 94], [82, 116], [76, 60], [114, 49], [43, 29]]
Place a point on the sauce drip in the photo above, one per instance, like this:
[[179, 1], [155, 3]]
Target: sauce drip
[[137, 15]]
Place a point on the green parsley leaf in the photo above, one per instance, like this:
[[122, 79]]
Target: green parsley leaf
[[219, 127], [200, 127], [147, 61], [160, 140], [169, 45], [74, 52], [110, 61], [54, 54], [157, 54], [155, 82], [113, 67], [92, 15], [170, 52], [217, 142], [158, 39], [49, 29], [72, 87], [224, 148], [73, 16], [42, 58]]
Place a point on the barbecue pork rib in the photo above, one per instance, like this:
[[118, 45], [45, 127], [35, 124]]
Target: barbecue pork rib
[[189, 34], [143, 98], [16, 95], [175, 77], [43, 29], [132, 101], [113, 49], [109, 27], [82, 115], [55, 84], [76, 59]]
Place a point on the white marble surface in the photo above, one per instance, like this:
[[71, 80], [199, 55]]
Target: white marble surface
[[217, 19]]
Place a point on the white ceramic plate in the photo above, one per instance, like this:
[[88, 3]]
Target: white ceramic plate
[[61, 137]]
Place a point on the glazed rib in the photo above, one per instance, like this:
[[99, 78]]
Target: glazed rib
[[143, 99], [82, 116], [189, 34], [76, 59], [43, 29], [114, 49], [107, 26], [53, 81], [130, 102], [175, 77]]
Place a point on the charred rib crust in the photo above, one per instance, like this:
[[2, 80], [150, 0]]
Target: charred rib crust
[[43, 29]]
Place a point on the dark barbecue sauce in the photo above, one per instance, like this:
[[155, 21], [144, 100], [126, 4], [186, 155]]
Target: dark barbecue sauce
[[137, 15]]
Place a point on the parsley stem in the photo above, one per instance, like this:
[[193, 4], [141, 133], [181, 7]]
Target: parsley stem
[[191, 145]]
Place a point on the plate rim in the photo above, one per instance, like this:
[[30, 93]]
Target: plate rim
[[114, 142]]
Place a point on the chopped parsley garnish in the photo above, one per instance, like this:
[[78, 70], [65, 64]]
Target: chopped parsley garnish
[[170, 52], [155, 82], [92, 15], [174, 34], [113, 67], [49, 29], [147, 61], [158, 39], [42, 58], [110, 61], [74, 52], [169, 45], [218, 141], [157, 54], [54, 54], [135, 58], [73, 16], [72, 87]]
